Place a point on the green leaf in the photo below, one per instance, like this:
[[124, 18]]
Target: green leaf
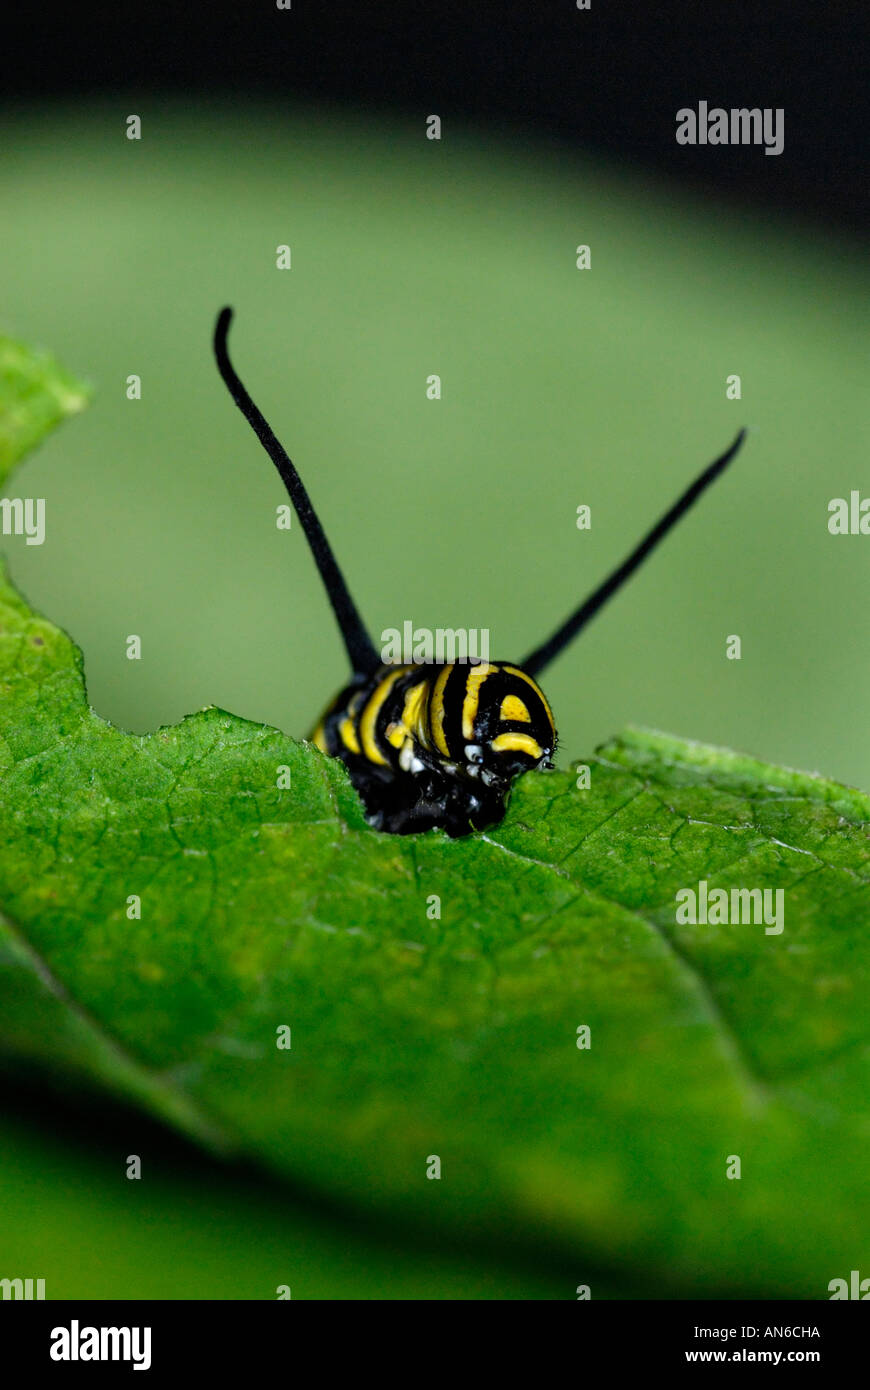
[[35, 395], [456, 1036]]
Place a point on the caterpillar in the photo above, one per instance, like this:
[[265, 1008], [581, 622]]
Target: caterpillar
[[437, 745]]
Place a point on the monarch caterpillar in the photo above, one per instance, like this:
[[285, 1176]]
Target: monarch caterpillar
[[436, 745]]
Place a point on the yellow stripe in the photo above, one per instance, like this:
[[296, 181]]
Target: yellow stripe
[[371, 712], [347, 728], [515, 671], [318, 739], [412, 715], [517, 743], [347, 734], [409, 724], [470, 705], [512, 707], [396, 734], [436, 711]]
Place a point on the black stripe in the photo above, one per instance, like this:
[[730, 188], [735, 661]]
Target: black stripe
[[454, 695]]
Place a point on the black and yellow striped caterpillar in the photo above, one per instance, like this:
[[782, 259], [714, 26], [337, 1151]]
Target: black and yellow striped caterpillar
[[436, 745]]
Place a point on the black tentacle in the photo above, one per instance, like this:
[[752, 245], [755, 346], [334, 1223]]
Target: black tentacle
[[547, 651], [363, 655]]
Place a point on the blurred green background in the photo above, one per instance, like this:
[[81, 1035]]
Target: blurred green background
[[560, 387], [192, 1229]]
